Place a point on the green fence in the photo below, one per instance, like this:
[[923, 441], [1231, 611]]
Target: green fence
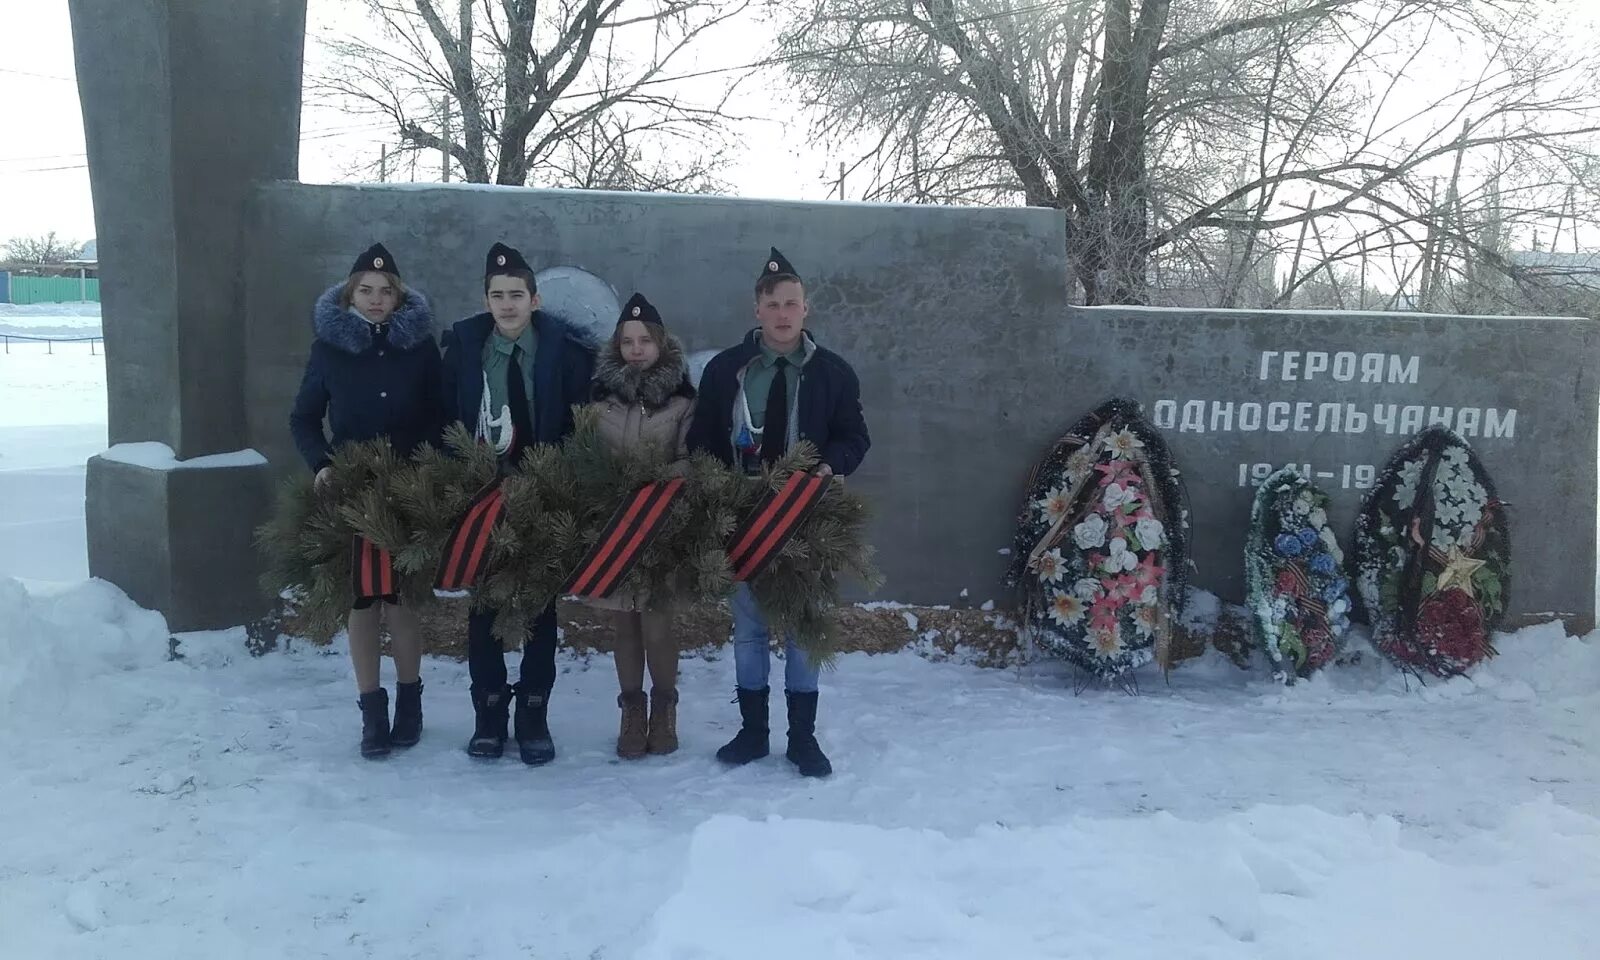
[[53, 289]]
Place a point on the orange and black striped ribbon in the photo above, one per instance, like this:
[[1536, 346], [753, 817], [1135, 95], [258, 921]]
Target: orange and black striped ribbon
[[774, 521], [467, 548], [372, 570], [625, 537]]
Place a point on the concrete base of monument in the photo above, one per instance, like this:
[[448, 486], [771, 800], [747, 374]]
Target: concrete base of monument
[[984, 638], [177, 536]]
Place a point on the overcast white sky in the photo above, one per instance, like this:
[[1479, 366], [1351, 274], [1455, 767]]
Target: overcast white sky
[[44, 182]]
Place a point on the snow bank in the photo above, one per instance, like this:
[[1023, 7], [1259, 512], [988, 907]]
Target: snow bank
[[52, 646], [1271, 882], [159, 456]]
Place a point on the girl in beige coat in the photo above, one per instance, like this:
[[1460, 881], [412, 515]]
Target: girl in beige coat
[[644, 398]]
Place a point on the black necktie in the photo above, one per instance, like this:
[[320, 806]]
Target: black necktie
[[517, 400], [775, 429]]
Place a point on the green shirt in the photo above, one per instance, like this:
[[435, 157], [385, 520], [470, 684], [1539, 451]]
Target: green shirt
[[497, 360], [758, 378]]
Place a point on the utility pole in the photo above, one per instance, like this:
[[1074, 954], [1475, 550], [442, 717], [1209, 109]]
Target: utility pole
[[383, 163], [444, 144]]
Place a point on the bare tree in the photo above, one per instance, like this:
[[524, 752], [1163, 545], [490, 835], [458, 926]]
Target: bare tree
[[41, 250], [1217, 135], [518, 91]]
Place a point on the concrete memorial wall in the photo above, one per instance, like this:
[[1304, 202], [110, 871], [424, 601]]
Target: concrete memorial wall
[[957, 321]]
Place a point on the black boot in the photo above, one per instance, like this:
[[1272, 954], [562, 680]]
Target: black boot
[[804, 751], [489, 736], [750, 743], [407, 728], [374, 723], [533, 727]]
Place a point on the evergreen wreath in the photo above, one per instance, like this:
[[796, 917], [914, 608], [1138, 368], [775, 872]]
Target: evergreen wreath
[[1295, 586], [1102, 546], [558, 502], [798, 592], [1432, 558], [395, 503]]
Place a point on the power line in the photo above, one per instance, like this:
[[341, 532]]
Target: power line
[[40, 76]]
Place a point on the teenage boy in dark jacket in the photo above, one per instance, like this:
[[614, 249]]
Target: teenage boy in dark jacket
[[512, 375], [757, 399]]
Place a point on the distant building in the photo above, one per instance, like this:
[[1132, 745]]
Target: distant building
[[1555, 270], [76, 279]]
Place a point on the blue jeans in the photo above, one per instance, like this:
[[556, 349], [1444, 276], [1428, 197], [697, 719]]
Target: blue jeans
[[752, 649]]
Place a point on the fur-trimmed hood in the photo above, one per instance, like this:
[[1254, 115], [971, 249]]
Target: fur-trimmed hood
[[667, 378], [409, 326]]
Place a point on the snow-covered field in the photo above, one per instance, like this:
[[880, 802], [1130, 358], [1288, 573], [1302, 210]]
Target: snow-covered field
[[215, 806], [50, 319], [52, 420]]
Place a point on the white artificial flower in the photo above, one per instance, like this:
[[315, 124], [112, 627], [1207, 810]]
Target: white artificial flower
[[1124, 445], [1302, 504], [1150, 532], [1066, 609], [1149, 595], [1319, 517], [1405, 491], [1087, 589], [1079, 465], [1054, 506], [1050, 566], [1090, 533], [1116, 495]]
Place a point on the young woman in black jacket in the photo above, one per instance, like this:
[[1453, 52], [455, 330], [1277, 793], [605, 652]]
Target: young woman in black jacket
[[373, 372]]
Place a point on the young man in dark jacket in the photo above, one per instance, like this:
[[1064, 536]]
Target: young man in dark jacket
[[512, 375], [757, 399]]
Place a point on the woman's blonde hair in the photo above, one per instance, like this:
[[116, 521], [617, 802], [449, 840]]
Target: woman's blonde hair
[[350, 285]]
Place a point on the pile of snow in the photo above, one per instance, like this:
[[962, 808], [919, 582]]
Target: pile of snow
[[154, 455], [54, 647], [1274, 881]]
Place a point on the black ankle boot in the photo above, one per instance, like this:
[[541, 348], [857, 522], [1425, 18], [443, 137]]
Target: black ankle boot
[[407, 728], [533, 727], [751, 742], [804, 751], [374, 723], [489, 736]]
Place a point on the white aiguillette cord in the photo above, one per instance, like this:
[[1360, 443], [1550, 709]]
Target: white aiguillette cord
[[499, 431]]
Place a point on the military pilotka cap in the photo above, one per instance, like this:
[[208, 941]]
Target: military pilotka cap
[[503, 260], [375, 257], [778, 266], [638, 308]]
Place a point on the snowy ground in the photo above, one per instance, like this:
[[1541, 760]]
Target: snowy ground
[[215, 805], [52, 420]]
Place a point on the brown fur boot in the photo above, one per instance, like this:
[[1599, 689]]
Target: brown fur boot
[[631, 739], [663, 720]]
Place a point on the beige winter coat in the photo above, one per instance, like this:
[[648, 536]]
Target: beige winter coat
[[636, 409]]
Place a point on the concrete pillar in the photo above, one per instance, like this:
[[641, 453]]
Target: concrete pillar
[[187, 104]]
